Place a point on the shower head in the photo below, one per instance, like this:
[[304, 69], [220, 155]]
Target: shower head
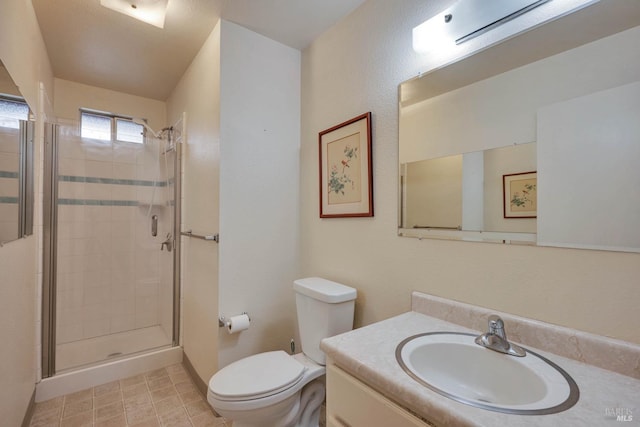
[[142, 122]]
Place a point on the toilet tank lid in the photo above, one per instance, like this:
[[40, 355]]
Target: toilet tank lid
[[324, 290]]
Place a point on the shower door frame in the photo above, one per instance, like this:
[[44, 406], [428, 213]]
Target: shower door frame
[[49, 252], [177, 224]]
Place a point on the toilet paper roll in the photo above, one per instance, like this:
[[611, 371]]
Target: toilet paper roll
[[238, 323]]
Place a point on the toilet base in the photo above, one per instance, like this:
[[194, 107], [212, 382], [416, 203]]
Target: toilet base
[[311, 400], [299, 410]]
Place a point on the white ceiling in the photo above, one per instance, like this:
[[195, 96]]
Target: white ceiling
[[90, 44]]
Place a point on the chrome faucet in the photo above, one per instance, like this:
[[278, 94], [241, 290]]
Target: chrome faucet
[[496, 339]]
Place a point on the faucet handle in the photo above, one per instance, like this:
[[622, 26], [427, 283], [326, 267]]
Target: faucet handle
[[168, 242], [495, 323]]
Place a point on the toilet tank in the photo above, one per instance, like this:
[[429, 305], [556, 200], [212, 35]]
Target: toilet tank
[[325, 309]]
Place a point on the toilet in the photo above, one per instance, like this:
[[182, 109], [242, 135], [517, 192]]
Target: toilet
[[275, 389]]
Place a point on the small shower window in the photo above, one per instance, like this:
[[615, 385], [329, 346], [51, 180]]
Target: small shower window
[[96, 127], [12, 110], [110, 127], [128, 131]]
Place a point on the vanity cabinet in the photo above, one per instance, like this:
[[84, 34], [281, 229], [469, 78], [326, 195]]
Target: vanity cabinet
[[351, 403]]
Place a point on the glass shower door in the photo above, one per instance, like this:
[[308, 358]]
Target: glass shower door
[[113, 243]]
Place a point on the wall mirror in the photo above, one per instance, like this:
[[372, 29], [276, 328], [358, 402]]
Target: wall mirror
[[535, 140], [16, 162]]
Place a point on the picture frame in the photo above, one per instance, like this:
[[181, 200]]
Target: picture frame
[[346, 174], [520, 195]]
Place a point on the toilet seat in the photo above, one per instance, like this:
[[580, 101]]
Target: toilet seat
[[256, 377]]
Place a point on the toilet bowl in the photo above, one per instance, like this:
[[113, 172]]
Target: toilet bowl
[[274, 389]]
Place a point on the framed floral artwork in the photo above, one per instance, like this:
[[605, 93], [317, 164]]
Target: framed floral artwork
[[520, 192], [346, 177]]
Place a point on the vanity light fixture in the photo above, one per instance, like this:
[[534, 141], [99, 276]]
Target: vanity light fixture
[[467, 19], [150, 11]]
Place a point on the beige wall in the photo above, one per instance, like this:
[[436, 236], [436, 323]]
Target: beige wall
[[17, 328], [198, 95], [22, 49], [501, 111], [259, 164], [239, 125], [587, 290], [23, 53], [71, 96], [432, 180]]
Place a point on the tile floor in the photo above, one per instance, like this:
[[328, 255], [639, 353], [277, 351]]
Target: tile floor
[[162, 398]]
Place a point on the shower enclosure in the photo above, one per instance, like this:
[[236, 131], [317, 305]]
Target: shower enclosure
[[110, 258]]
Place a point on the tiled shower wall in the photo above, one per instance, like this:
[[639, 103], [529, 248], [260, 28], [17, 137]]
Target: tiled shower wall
[[9, 166], [109, 276]]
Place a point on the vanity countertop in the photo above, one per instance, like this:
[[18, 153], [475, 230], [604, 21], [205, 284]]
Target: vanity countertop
[[368, 354]]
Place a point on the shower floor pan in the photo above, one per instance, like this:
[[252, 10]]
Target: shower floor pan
[[100, 349]]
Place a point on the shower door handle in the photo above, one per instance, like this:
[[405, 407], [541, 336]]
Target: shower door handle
[[154, 225]]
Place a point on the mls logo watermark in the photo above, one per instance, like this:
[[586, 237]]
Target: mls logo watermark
[[618, 414]]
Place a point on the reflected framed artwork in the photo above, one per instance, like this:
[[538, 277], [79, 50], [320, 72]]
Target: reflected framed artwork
[[346, 177], [520, 192]]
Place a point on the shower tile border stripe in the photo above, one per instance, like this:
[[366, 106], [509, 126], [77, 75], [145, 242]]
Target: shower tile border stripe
[[8, 199], [7, 174], [116, 181], [90, 202]]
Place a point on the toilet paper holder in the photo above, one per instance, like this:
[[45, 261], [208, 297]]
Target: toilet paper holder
[[223, 322]]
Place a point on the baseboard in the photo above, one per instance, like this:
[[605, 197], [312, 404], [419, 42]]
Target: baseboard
[[29, 413], [200, 385]]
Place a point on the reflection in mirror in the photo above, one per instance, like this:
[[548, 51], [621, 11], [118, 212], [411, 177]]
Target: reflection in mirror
[[16, 162], [466, 191], [568, 95]]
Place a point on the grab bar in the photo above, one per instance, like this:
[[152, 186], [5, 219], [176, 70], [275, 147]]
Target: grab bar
[[435, 227], [212, 237]]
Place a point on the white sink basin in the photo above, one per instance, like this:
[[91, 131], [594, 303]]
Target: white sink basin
[[453, 365]]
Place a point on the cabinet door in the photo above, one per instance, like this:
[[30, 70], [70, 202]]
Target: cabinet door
[[350, 403]]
